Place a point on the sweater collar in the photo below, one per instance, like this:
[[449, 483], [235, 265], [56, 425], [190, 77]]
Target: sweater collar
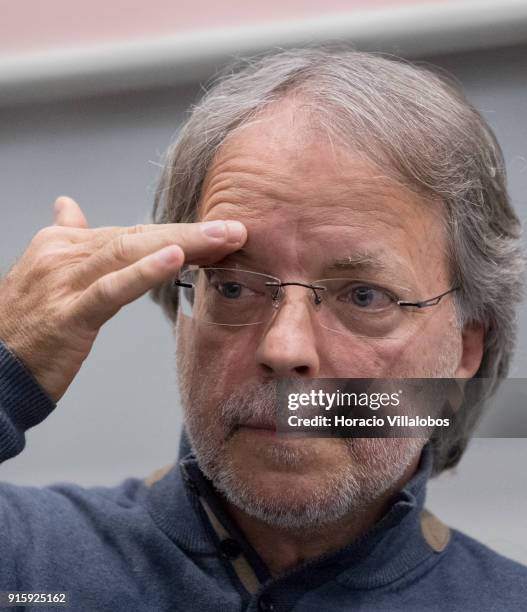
[[392, 547]]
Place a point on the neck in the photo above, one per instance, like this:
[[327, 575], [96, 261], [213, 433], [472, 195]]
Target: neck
[[283, 549]]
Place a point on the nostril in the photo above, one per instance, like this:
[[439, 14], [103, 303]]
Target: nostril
[[302, 370]]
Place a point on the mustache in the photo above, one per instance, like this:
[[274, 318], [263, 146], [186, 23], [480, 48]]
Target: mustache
[[252, 403]]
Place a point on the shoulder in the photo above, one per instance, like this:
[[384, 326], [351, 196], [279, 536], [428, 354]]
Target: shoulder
[[63, 510], [57, 532], [490, 575], [482, 558]]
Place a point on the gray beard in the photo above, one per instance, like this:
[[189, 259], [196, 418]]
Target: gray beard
[[375, 464]]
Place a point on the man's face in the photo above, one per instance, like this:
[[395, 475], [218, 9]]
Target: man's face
[[309, 205]]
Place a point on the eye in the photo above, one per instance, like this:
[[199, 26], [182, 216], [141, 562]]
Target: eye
[[367, 297], [230, 291]]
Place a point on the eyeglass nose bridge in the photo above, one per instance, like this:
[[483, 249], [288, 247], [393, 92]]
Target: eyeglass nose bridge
[[279, 294]]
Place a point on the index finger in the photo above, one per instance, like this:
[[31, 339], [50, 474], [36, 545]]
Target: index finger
[[201, 243], [101, 235]]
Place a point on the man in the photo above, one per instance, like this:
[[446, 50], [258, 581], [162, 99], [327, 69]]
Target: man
[[368, 173]]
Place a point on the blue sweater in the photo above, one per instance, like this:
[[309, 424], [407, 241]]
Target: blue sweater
[[169, 545]]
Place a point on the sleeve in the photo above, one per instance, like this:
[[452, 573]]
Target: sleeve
[[23, 403]]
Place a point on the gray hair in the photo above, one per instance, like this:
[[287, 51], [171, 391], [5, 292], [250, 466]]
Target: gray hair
[[420, 128]]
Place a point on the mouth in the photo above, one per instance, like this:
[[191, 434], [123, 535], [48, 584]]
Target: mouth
[[260, 428]]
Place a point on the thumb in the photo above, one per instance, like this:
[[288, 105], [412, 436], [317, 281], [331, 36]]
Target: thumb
[[68, 213]]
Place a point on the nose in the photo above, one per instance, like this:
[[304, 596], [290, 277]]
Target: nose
[[288, 346]]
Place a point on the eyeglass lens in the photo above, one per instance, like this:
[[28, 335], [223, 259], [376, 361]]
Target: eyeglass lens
[[236, 298]]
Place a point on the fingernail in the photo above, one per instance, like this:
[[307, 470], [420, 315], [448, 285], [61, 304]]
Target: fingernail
[[236, 231], [214, 229]]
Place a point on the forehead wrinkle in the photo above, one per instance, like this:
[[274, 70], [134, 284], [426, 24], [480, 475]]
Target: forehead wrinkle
[[346, 224], [241, 161], [270, 189], [239, 188], [246, 168]]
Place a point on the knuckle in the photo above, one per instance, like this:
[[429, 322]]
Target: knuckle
[[105, 289], [142, 275], [139, 228], [48, 260], [45, 235], [120, 248]]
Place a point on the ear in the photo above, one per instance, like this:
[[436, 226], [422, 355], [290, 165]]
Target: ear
[[473, 339]]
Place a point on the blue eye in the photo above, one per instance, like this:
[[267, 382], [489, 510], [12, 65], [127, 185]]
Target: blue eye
[[367, 297], [230, 291], [363, 296]]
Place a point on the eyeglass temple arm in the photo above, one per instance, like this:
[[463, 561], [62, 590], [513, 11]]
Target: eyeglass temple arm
[[179, 283], [430, 302]]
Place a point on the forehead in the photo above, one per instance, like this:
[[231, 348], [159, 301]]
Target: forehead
[[286, 156], [284, 174]]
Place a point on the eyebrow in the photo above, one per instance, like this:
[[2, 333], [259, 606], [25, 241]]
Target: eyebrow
[[359, 261], [372, 263]]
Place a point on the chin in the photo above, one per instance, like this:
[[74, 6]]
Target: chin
[[309, 482], [287, 500], [304, 484], [268, 453]]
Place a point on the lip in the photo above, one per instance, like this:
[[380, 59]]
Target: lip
[[262, 429]]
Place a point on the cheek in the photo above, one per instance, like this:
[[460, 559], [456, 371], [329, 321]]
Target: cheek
[[218, 358], [410, 355], [349, 358], [352, 357], [430, 351]]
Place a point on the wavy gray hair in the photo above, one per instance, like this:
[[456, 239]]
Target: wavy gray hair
[[421, 128]]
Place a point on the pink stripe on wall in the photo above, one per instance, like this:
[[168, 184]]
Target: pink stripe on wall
[[47, 24]]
